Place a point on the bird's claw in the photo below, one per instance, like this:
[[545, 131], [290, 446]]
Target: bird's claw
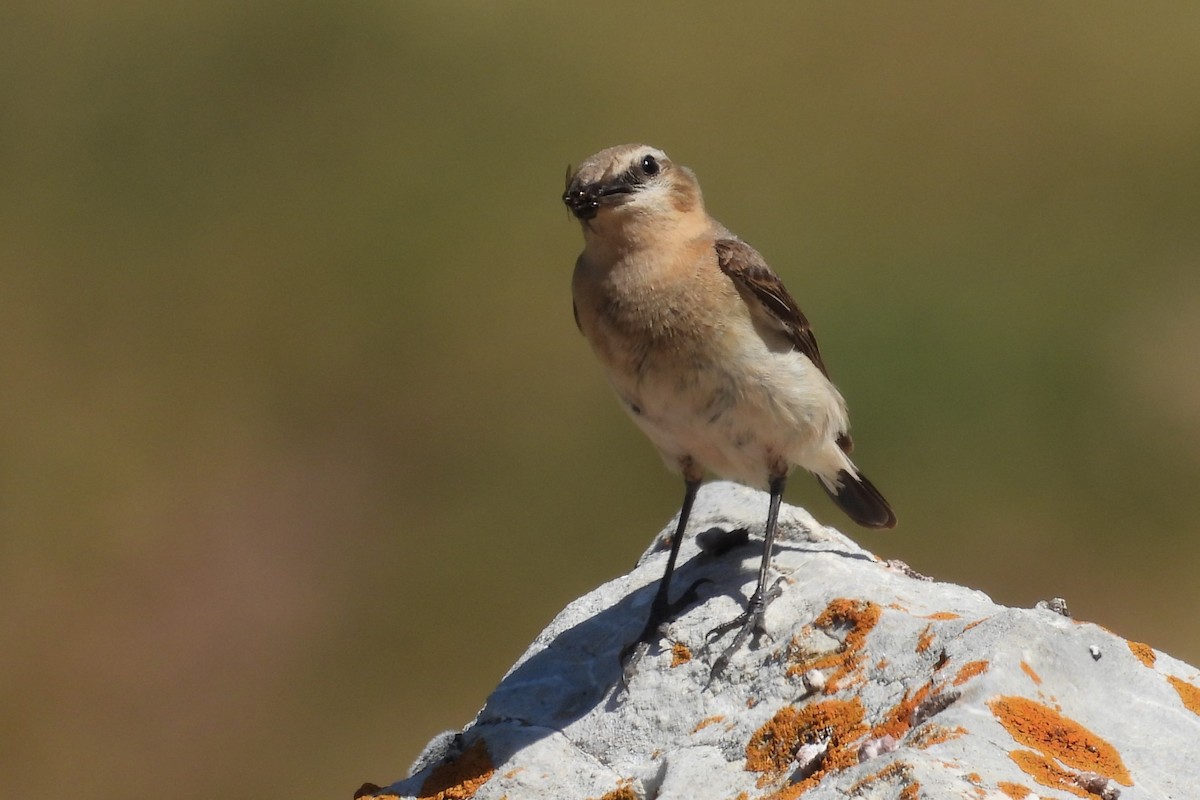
[[661, 613], [748, 624]]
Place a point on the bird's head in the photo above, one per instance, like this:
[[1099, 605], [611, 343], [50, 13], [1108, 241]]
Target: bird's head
[[629, 185]]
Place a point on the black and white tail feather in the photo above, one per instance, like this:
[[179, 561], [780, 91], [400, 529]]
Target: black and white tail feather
[[859, 498]]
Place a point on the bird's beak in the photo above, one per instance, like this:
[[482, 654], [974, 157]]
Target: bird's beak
[[585, 199]]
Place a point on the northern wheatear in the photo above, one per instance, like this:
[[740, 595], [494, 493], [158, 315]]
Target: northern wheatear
[[707, 352]]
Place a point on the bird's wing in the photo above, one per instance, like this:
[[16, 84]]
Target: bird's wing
[[771, 304]]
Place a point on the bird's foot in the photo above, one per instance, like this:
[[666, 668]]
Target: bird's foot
[[661, 613], [747, 624]]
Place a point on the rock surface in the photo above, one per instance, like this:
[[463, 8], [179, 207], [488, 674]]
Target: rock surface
[[878, 684]]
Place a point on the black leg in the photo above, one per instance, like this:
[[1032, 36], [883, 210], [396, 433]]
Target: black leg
[[661, 605], [662, 609], [750, 621]]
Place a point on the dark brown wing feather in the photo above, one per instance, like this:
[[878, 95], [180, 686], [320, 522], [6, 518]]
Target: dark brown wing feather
[[750, 273]]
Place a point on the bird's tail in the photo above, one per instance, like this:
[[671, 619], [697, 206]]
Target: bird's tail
[[859, 498]]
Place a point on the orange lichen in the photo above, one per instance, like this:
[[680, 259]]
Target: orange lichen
[[968, 671], [925, 639], [897, 769], [1188, 693], [461, 778], [894, 768], [704, 723], [1014, 790], [773, 747], [620, 793], [1055, 736], [1047, 773], [931, 734], [917, 706], [942, 615], [861, 617], [970, 625], [680, 654], [1144, 652], [1033, 676], [899, 719]]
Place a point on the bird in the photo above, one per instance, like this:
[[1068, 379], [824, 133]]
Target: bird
[[709, 355]]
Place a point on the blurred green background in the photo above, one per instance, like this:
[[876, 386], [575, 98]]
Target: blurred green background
[[299, 446]]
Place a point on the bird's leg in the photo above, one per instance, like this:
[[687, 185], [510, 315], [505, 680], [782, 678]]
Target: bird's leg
[[662, 609], [750, 621]]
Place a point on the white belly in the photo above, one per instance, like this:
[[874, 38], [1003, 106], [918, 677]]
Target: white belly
[[749, 416]]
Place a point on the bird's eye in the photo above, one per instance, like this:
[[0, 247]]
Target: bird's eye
[[650, 165]]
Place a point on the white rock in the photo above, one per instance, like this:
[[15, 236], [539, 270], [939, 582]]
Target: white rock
[[920, 684]]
